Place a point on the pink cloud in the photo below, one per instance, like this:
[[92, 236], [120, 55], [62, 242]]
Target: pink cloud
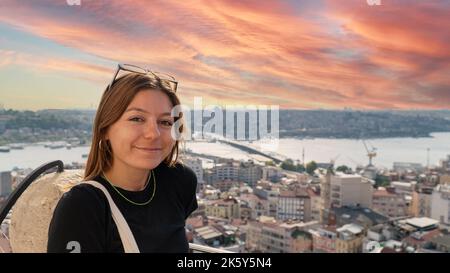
[[6, 57], [345, 54]]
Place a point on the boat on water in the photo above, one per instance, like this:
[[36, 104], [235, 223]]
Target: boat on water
[[57, 145], [16, 146]]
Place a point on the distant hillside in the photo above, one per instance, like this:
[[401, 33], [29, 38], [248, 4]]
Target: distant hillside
[[293, 123], [362, 124]]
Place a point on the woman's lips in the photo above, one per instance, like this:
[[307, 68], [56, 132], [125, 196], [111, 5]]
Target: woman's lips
[[149, 150]]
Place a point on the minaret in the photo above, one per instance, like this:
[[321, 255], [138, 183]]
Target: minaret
[[325, 192], [303, 158]]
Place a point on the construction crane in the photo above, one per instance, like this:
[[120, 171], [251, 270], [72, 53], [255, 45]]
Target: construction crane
[[370, 153], [330, 168], [333, 160]]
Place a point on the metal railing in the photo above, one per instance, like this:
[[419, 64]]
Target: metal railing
[[25, 183], [206, 249]]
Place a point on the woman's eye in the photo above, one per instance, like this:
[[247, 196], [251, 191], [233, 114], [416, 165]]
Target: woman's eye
[[166, 122], [137, 119]]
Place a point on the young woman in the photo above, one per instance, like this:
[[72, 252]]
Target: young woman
[[135, 157]]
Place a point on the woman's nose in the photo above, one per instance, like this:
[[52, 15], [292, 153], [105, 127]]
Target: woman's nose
[[151, 130]]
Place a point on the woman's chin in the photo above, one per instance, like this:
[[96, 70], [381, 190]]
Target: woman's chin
[[148, 164]]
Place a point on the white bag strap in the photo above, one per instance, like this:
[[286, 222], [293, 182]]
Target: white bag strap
[[128, 241]]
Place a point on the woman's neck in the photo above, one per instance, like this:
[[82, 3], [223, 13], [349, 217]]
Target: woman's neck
[[127, 178]]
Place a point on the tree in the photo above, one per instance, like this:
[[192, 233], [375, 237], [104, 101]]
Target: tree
[[269, 163], [300, 168], [382, 181], [344, 169], [311, 167], [288, 164]]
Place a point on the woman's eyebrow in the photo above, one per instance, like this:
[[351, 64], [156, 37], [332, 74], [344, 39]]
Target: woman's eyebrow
[[144, 111], [136, 109]]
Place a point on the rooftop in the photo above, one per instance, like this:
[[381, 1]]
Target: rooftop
[[420, 237], [383, 193], [294, 193], [443, 188], [402, 184], [353, 214], [207, 232], [344, 175], [422, 222], [352, 228], [313, 193], [195, 222], [299, 224], [442, 240], [266, 219], [250, 196]]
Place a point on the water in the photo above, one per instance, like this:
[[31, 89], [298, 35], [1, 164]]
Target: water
[[352, 152], [35, 155], [348, 152]]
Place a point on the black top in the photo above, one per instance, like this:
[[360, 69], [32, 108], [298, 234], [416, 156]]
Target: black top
[[83, 215]]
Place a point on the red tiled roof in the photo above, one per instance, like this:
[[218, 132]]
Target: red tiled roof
[[249, 196], [236, 222], [195, 222], [426, 237], [383, 193], [312, 193], [287, 194]]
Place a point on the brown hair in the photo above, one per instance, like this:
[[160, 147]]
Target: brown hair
[[112, 105]]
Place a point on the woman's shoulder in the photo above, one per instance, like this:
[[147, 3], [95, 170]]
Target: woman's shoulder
[[80, 215], [84, 195], [182, 171]]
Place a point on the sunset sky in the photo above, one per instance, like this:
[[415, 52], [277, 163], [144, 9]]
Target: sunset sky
[[295, 54]]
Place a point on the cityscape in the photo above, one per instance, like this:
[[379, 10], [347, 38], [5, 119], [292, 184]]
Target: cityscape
[[359, 93], [268, 203]]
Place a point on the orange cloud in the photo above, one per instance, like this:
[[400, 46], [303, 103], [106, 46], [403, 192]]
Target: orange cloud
[[342, 54]]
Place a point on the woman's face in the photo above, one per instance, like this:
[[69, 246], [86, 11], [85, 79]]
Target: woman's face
[[141, 137]]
